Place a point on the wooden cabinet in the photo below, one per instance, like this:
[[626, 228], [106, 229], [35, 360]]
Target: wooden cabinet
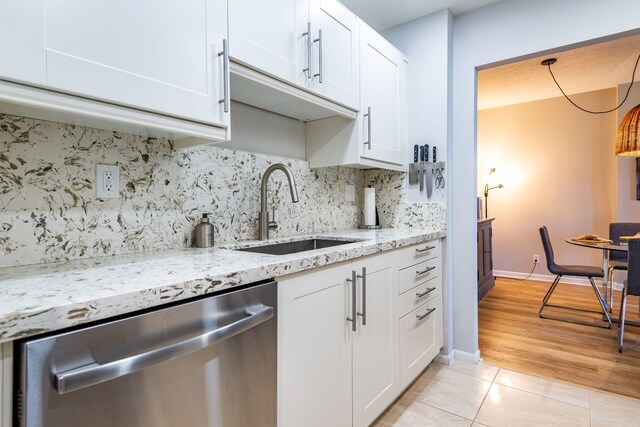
[[378, 137], [331, 374], [309, 43], [334, 56], [382, 105], [160, 57], [419, 296], [264, 35], [485, 258]]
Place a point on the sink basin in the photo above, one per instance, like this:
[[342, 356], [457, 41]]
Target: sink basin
[[297, 246]]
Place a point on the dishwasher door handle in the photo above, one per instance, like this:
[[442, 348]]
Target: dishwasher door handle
[[95, 373]]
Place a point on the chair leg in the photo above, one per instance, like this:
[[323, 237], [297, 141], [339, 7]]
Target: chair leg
[[623, 308], [548, 294], [610, 275], [601, 300]]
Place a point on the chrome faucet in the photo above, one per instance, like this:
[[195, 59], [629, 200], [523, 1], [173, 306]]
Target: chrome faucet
[[264, 225]]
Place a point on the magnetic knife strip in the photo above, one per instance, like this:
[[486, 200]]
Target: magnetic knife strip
[[424, 172]]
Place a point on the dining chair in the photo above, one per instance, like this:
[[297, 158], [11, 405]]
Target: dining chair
[[571, 270], [631, 286], [617, 259]]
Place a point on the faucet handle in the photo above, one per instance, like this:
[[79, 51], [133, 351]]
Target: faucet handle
[[272, 221]]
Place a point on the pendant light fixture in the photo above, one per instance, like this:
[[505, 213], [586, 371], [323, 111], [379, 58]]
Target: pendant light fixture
[[627, 143]]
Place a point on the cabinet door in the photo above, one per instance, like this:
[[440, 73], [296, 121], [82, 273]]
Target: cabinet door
[[335, 64], [159, 56], [382, 74], [264, 35], [420, 339], [314, 349], [22, 41], [375, 348]]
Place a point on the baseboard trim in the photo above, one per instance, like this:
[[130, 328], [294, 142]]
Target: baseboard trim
[[463, 356], [550, 278], [444, 359]]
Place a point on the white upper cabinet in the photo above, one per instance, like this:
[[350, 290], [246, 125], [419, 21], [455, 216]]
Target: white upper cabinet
[[382, 106], [22, 41], [263, 35], [157, 56], [334, 52]]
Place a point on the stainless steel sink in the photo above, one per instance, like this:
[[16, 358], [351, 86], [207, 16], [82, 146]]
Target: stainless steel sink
[[296, 246]]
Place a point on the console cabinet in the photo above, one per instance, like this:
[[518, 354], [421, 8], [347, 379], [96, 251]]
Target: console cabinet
[[485, 257]]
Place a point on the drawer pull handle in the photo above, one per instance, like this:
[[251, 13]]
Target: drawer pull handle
[[428, 248], [425, 271], [422, 316], [428, 291]]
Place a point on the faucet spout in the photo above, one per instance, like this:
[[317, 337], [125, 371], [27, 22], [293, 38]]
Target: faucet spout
[[263, 220]]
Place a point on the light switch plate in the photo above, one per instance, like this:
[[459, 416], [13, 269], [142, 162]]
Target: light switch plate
[[107, 181], [350, 193]]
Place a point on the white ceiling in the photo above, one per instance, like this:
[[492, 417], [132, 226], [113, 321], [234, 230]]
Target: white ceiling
[[599, 66], [384, 14]]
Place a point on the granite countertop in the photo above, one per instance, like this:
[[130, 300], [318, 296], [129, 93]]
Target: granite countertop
[[41, 298]]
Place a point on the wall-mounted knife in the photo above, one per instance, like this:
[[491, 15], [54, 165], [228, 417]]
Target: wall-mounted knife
[[413, 169], [421, 168], [429, 172]]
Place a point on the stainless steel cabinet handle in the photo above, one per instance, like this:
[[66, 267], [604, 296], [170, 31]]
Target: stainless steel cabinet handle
[[364, 296], [425, 271], [95, 373], [352, 319], [427, 292], [422, 316], [319, 40], [225, 72], [368, 116], [309, 43], [428, 248]]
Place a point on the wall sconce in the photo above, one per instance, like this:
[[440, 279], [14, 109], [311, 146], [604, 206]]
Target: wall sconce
[[486, 193]]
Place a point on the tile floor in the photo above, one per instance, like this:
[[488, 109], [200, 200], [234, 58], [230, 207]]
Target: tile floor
[[466, 394]]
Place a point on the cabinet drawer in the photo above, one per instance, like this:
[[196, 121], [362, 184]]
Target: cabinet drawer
[[419, 295], [413, 276], [418, 253], [420, 339]]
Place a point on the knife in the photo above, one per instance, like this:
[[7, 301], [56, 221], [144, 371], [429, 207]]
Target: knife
[[429, 172], [413, 169], [421, 169]]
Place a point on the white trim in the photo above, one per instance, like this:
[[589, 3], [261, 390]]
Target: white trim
[[444, 359], [6, 383], [550, 278], [465, 357]]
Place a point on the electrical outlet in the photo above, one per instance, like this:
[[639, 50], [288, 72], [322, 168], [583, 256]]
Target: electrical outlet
[[536, 258], [350, 193], [107, 181]]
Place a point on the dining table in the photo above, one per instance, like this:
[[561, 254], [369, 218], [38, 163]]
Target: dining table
[[606, 247]]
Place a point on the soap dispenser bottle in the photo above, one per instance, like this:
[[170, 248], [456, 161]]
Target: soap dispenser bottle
[[204, 232]]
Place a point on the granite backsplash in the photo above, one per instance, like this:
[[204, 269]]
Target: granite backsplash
[[49, 212]]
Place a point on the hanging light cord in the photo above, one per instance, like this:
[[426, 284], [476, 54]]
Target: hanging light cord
[[633, 76]]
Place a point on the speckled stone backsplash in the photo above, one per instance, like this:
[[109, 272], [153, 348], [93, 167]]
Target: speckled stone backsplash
[[49, 212]]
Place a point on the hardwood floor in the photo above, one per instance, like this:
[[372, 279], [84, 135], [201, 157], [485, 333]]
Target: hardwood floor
[[512, 336]]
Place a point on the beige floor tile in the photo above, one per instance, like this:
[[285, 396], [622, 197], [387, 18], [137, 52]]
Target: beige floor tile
[[506, 406], [482, 369], [408, 413], [612, 410], [548, 388], [450, 390]]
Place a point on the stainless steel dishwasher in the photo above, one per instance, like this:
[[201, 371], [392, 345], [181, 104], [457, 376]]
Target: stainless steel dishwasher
[[208, 362]]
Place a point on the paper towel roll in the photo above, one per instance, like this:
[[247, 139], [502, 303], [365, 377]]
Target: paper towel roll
[[369, 206]]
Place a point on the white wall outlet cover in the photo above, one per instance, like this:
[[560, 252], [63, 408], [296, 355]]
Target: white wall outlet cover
[[107, 181], [350, 193]]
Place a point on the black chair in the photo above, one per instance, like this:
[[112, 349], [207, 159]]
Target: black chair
[[571, 270], [617, 259], [631, 285]]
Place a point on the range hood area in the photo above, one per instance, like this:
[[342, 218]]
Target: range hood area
[[268, 93]]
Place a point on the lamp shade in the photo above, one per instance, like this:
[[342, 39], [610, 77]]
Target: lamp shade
[[627, 142]]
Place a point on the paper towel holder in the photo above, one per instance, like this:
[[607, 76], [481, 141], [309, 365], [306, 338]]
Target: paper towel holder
[[377, 226]]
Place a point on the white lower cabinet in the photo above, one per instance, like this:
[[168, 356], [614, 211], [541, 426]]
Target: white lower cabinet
[[334, 372], [329, 373]]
